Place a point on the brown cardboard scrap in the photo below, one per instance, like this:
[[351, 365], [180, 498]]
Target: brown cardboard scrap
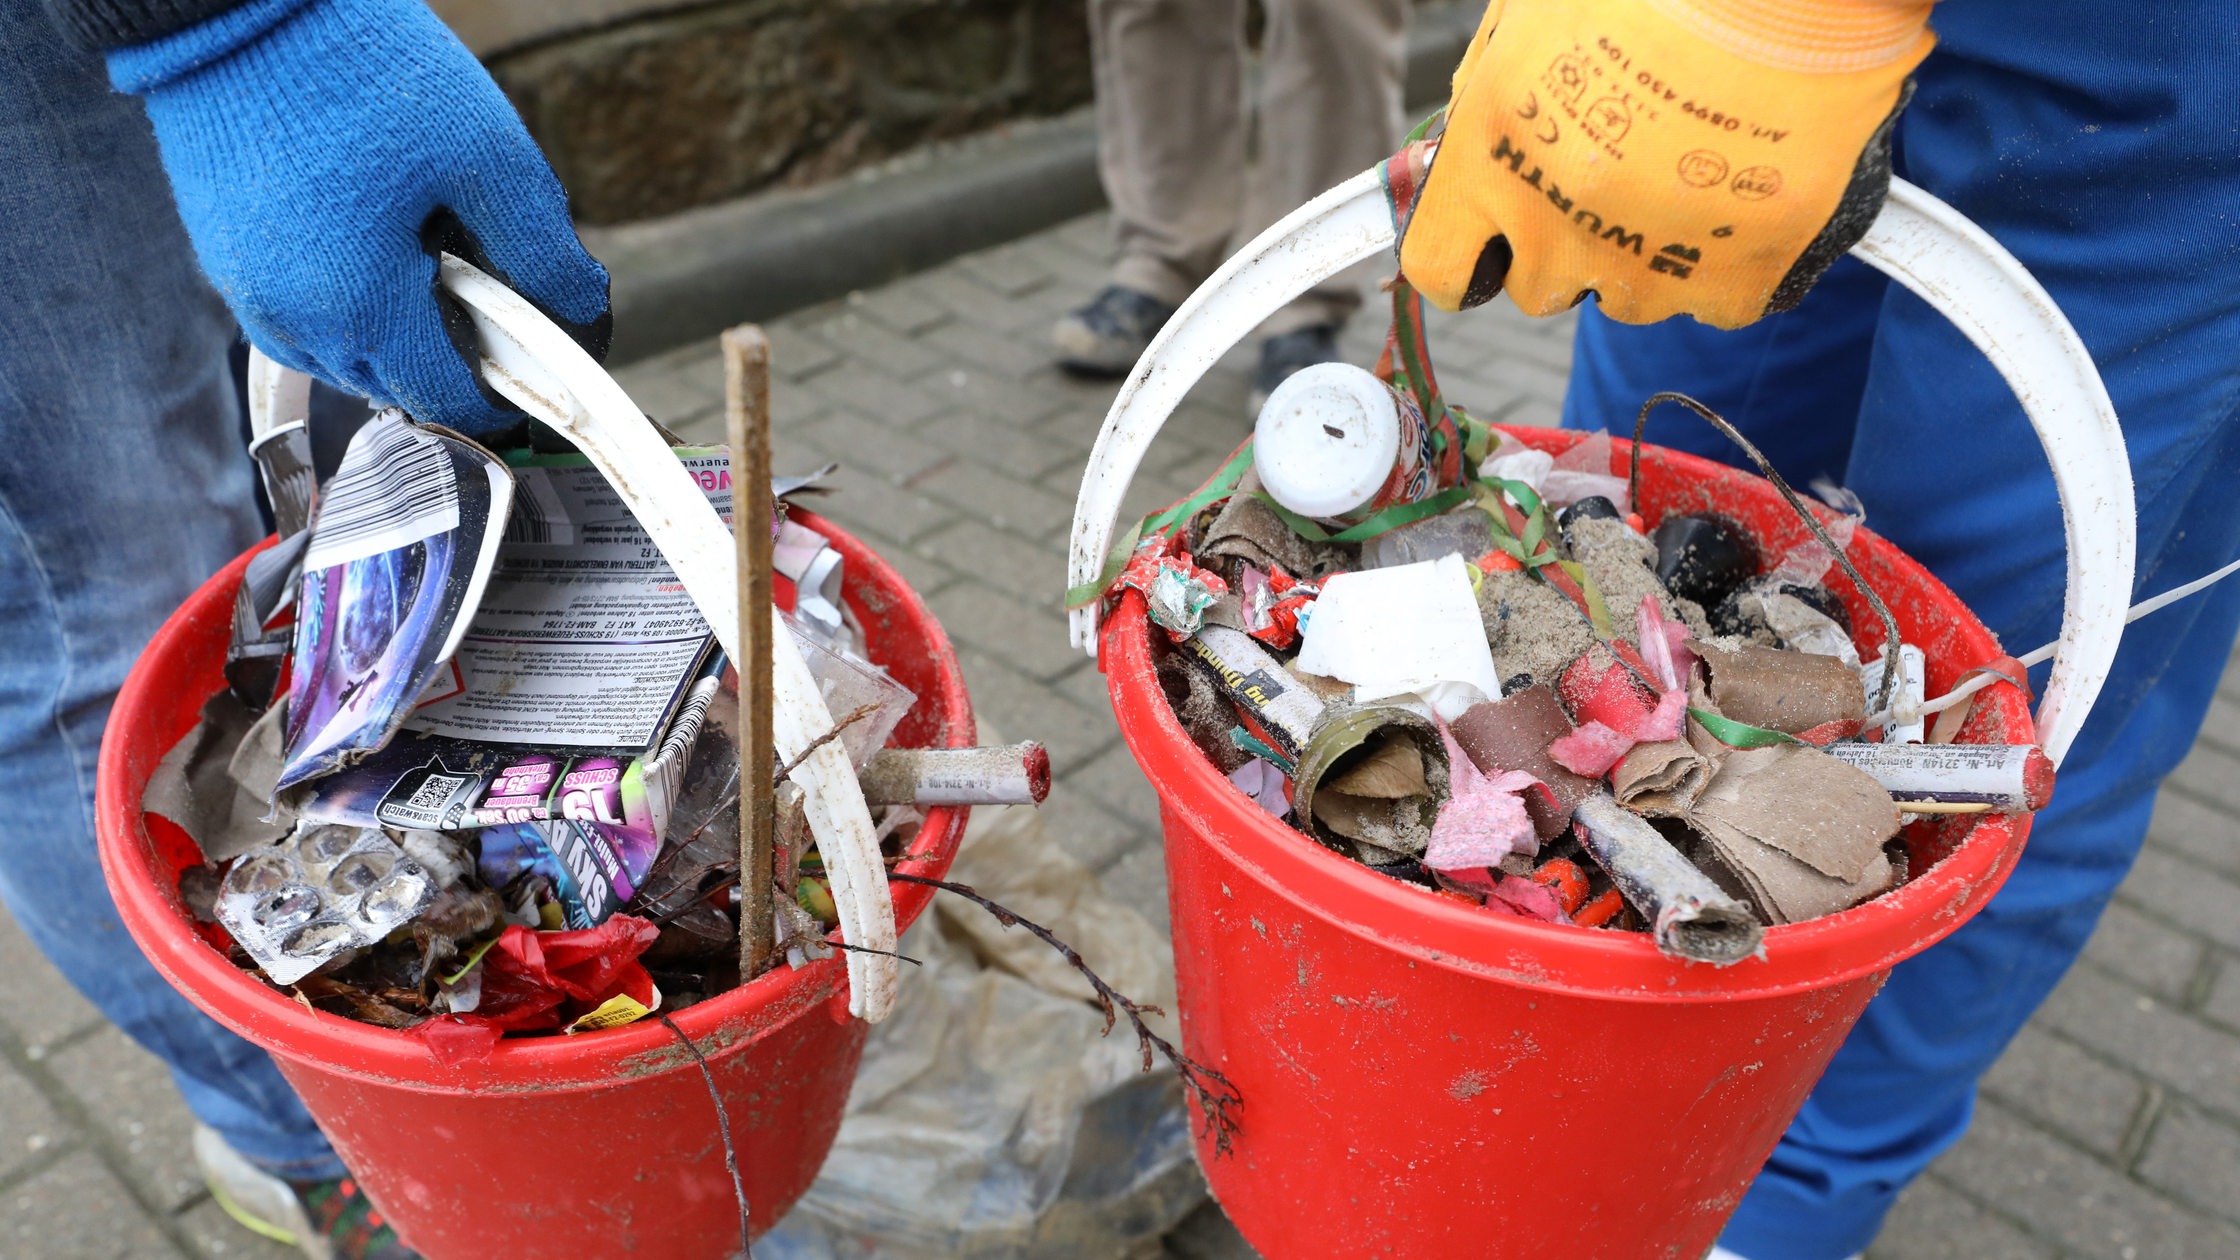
[[217, 782], [1391, 771], [1663, 779], [1378, 855], [1379, 800], [1393, 825], [1791, 692], [1513, 733], [1247, 529], [1329, 690], [1225, 610], [1781, 888], [1826, 814]]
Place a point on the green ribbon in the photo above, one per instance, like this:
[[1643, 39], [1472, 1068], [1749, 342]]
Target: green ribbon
[[1384, 522], [1598, 612], [1244, 741], [1740, 734], [1220, 486], [1477, 435], [1526, 501], [474, 956]]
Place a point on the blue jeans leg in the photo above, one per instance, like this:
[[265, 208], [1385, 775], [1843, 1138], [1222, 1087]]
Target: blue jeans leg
[[122, 486]]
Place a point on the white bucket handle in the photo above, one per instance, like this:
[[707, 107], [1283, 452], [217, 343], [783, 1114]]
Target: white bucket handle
[[1922, 243], [529, 360]]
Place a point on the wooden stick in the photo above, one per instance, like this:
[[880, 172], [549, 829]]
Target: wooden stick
[[746, 395]]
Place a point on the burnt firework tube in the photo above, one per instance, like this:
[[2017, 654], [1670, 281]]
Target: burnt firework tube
[[1274, 702], [1688, 915], [1343, 732], [2010, 778], [999, 774]]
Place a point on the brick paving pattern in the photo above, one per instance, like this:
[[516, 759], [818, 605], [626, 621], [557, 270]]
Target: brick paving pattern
[[2111, 1128]]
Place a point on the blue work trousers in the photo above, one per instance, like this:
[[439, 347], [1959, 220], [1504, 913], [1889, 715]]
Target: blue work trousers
[[123, 484], [2101, 145]]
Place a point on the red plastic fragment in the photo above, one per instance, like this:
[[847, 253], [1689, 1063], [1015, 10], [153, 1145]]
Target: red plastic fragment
[[1601, 910], [1563, 877], [538, 981]]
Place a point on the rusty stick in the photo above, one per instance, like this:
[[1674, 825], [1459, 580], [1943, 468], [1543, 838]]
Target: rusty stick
[[746, 381]]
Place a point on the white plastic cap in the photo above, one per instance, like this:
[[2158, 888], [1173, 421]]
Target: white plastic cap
[[1326, 440]]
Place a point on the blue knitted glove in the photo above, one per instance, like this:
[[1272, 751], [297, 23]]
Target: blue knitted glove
[[320, 150]]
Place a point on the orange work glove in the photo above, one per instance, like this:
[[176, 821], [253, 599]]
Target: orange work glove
[[1700, 157]]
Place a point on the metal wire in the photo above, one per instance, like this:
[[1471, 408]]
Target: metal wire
[[1894, 663], [723, 1126]]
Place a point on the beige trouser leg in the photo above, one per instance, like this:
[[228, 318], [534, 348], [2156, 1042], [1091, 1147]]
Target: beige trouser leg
[[1329, 109], [1171, 125], [1170, 135]]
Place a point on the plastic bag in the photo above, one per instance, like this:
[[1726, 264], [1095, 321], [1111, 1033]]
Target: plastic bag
[[989, 1119]]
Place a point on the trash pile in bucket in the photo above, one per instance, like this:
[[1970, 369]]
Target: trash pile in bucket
[[1469, 666], [476, 772]]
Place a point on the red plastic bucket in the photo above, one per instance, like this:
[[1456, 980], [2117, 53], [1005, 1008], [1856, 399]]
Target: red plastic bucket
[[1424, 1079], [553, 1148]]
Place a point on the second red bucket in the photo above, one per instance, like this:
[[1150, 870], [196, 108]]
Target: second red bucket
[[1423, 1079], [552, 1148]]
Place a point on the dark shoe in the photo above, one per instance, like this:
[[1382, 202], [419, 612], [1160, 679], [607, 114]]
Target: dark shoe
[[1107, 336], [1286, 353], [329, 1220]]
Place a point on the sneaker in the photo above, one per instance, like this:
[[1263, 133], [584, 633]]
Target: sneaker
[[329, 1220], [1286, 353], [1107, 336]]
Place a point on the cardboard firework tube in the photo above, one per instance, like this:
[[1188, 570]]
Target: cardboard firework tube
[[1791, 692], [1341, 733], [1264, 691], [1688, 915], [1000, 774], [1513, 733], [2010, 778]]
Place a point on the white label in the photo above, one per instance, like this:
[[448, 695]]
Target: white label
[[585, 634]]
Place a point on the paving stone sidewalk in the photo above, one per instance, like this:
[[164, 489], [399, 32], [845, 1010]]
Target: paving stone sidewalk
[[2110, 1129]]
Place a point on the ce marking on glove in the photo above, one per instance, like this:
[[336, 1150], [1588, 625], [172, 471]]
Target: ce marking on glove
[[1530, 111]]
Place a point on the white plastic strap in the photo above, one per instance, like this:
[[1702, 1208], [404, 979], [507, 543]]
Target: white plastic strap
[[1921, 242], [542, 370], [277, 395]]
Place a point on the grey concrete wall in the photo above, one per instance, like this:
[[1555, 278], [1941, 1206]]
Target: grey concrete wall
[[496, 26], [646, 113], [650, 107]]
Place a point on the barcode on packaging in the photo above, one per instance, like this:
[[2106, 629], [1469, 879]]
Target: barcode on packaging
[[396, 486]]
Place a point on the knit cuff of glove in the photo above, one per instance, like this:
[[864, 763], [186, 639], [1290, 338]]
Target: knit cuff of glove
[[1809, 36], [142, 68]]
